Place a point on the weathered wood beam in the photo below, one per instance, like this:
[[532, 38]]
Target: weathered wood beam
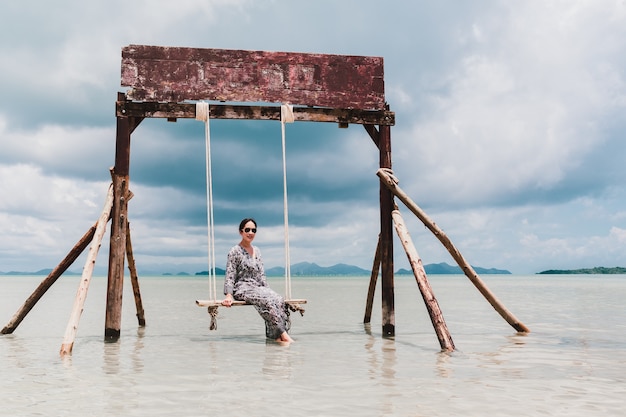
[[373, 132], [369, 303], [134, 279], [83, 287], [119, 215], [133, 122], [142, 110], [176, 74], [432, 306], [386, 238]]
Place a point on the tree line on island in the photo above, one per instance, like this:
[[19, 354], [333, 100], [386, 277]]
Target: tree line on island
[[597, 270]]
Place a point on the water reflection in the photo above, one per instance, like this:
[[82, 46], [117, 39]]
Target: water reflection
[[382, 368], [277, 362], [114, 356], [136, 355], [500, 358], [111, 358], [214, 362], [17, 351], [385, 365], [443, 367]]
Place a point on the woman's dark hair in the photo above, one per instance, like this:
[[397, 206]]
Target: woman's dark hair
[[244, 221]]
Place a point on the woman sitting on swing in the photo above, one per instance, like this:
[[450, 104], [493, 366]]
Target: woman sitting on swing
[[245, 281]]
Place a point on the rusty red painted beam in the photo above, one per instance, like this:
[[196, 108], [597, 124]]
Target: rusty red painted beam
[[173, 74], [142, 110]]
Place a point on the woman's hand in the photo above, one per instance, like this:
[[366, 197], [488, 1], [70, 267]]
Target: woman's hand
[[228, 301]]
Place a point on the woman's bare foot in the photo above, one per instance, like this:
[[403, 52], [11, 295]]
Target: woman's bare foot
[[285, 339]]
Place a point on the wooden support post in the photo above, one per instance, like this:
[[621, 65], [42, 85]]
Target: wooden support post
[[367, 318], [134, 279], [436, 316], [117, 244], [386, 238], [391, 183], [49, 280], [81, 294]]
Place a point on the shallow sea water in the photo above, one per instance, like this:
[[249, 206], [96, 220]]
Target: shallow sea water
[[573, 363]]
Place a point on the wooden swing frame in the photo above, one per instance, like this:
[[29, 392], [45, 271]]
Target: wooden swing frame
[[323, 88], [338, 89]]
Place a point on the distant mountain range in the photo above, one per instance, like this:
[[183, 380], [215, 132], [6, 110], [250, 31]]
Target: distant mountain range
[[40, 272], [309, 269], [444, 268]]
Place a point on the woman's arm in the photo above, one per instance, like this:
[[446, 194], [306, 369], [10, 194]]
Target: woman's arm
[[231, 273]]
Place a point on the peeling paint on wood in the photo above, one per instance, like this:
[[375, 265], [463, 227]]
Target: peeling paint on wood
[[171, 74], [140, 110]]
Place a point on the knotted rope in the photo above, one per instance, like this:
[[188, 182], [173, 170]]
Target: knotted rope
[[213, 313]]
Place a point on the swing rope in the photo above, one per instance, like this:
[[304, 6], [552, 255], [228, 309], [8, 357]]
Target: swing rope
[[203, 114], [286, 116]]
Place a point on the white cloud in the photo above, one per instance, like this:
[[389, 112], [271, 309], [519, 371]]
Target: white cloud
[[42, 217], [566, 253], [509, 121], [522, 108], [76, 150]]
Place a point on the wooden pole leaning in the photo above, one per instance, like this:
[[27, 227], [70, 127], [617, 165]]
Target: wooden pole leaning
[[81, 294], [49, 280], [391, 182], [436, 316], [134, 279], [367, 317]]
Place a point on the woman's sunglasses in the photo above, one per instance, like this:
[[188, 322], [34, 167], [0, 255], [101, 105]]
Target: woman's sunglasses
[[248, 230]]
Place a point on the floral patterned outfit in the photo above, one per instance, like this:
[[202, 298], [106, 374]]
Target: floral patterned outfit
[[245, 280]]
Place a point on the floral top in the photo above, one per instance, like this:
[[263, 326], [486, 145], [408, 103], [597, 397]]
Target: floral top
[[243, 270]]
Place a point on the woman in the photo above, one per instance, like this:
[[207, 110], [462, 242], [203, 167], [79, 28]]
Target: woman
[[245, 281]]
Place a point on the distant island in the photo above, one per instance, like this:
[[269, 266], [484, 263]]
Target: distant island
[[309, 269], [444, 268], [596, 270]]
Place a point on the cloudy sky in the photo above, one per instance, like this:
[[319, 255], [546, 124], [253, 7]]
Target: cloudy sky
[[510, 133]]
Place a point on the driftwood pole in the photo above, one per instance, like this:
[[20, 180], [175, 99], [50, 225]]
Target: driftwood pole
[[391, 182], [81, 294], [436, 316], [367, 318], [134, 279], [49, 280]]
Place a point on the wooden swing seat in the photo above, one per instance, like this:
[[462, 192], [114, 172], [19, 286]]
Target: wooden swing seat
[[218, 303]]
